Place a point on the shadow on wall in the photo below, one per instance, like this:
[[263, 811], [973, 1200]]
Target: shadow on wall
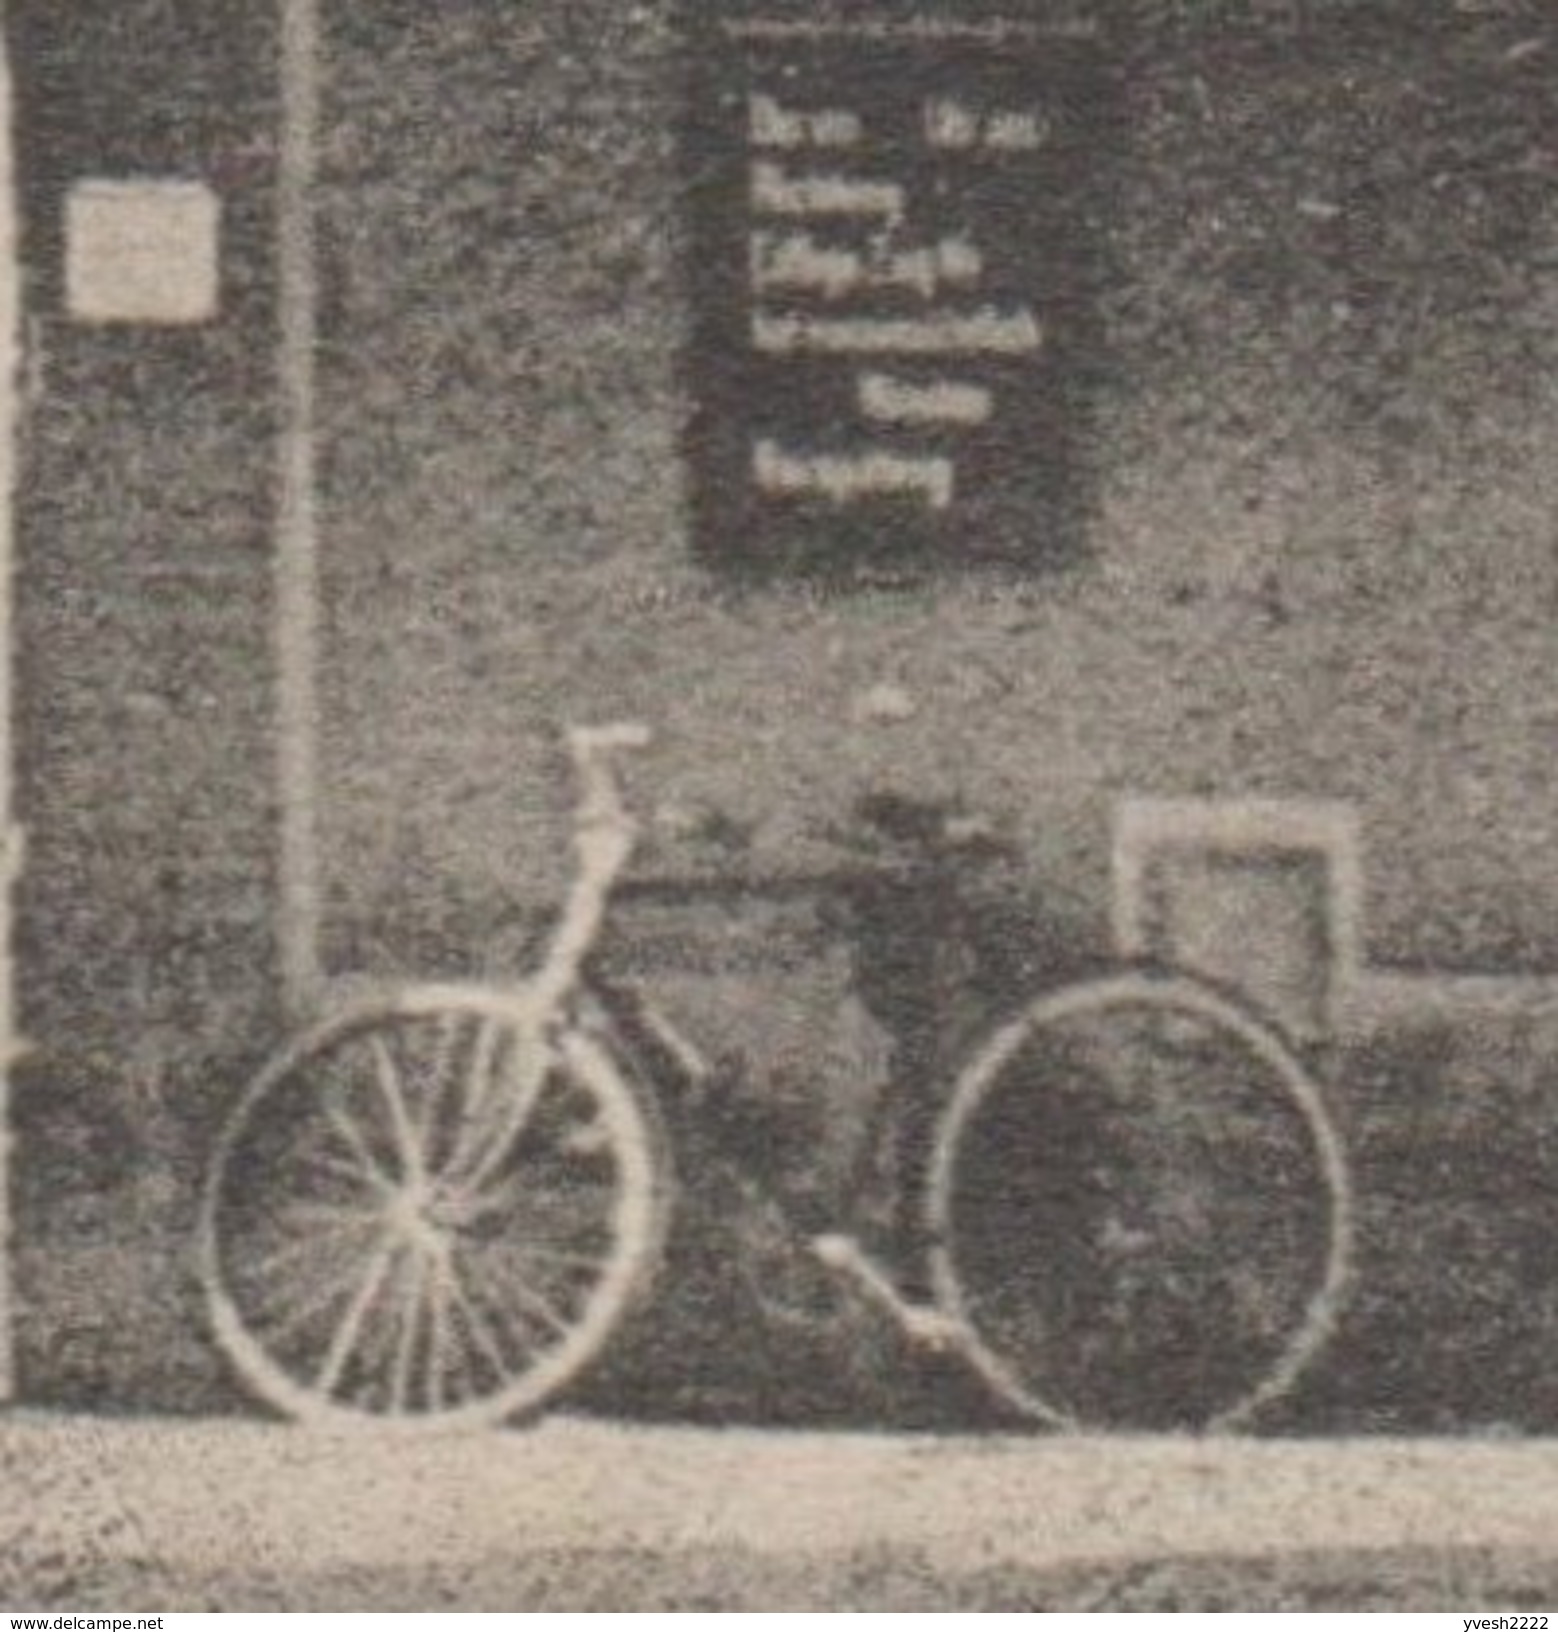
[[1450, 1327]]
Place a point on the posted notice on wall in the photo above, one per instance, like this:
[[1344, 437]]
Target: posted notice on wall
[[895, 221]]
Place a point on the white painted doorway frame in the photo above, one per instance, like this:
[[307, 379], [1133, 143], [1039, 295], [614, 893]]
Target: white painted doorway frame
[[296, 547], [10, 833]]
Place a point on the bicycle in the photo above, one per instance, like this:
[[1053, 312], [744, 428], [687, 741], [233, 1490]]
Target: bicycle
[[436, 1208]]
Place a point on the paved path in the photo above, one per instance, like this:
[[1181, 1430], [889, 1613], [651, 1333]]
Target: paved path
[[270, 1499]]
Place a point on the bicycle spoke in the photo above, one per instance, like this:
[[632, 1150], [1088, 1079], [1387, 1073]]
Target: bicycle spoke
[[448, 1031], [436, 1076], [349, 1332], [326, 1165], [325, 1217], [392, 1087], [411, 1308], [285, 1259], [549, 1275], [488, 1199], [520, 1330], [540, 1307], [476, 1322], [491, 1200], [478, 1074], [560, 1256], [438, 1345], [498, 1296], [312, 1303], [366, 1382], [308, 1230], [471, 1101], [342, 1123]]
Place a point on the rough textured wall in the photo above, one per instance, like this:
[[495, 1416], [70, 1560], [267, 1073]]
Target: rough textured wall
[[1335, 467], [144, 675], [502, 491], [145, 522], [1320, 561]]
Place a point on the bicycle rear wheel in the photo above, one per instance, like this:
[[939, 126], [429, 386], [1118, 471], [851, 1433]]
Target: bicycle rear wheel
[[1139, 1210], [365, 1261]]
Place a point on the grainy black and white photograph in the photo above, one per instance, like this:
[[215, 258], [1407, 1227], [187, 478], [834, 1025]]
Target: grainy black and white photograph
[[779, 805]]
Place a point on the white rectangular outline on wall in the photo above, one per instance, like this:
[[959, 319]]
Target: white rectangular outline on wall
[[1146, 827]]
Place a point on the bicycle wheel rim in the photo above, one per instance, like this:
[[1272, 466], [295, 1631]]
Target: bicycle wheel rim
[[633, 1215], [1292, 1322]]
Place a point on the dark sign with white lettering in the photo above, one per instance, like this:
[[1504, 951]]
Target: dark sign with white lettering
[[893, 256]]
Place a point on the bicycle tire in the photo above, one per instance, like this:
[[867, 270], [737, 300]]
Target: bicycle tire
[[362, 1269], [1158, 1250]]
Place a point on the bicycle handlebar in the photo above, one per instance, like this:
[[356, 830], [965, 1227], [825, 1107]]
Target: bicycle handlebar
[[588, 742], [600, 795]]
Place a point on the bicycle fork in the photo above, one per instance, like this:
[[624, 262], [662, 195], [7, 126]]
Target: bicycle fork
[[605, 834]]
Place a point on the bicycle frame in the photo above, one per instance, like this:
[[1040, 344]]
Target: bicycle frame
[[605, 835], [930, 1321], [687, 1083]]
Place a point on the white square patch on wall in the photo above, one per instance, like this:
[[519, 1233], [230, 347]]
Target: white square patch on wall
[[1262, 895], [142, 251]]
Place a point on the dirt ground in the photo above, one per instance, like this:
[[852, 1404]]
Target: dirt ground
[[584, 1516], [714, 1580]]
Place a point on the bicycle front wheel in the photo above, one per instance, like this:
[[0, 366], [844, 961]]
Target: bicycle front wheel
[[1139, 1210], [365, 1262]]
